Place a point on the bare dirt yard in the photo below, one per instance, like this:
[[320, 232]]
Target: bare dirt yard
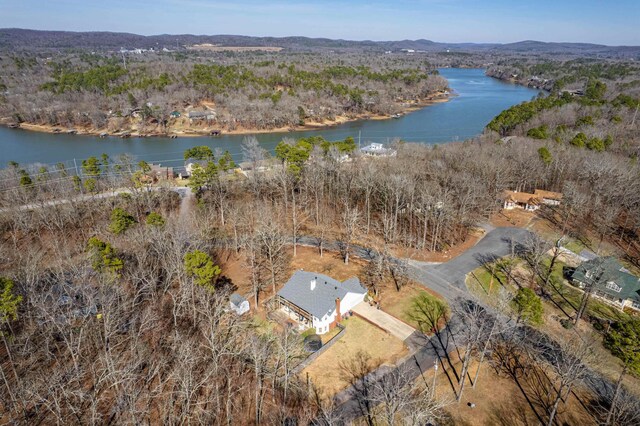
[[330, 263], [516, 217], [500, 400], [360, 335]]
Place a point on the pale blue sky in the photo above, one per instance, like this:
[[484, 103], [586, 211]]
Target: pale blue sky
[[613, 22]]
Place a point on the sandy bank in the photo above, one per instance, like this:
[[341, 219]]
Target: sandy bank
[[178, 131]]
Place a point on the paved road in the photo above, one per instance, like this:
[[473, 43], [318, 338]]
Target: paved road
[[184, 192], [448, 279], [385, 321]]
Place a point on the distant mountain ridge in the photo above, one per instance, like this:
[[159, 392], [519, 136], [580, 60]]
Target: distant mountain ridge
[[25, 39]]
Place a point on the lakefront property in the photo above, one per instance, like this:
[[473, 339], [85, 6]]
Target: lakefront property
[[318, 301]]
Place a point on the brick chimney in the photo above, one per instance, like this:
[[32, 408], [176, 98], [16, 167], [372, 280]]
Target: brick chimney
[[313, 283], [338, 316]]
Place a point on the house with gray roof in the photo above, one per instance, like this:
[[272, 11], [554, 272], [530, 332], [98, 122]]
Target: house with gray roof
[[611, 282], [201, 115], [318, 301]]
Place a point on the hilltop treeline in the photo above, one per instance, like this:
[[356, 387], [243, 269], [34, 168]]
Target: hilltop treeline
[[251, 91]]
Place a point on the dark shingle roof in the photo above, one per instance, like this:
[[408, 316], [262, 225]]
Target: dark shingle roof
[[322, 299], [605, 270]]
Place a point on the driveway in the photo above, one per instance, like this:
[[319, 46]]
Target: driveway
[[385, 321]]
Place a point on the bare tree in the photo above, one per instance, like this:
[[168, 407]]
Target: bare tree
[[350, 222], [357, 373], [272, 243], [568, 364]]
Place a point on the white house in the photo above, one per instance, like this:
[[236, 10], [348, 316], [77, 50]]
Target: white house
[[238, 304], [318, 301], [377, 150], [522, 200]]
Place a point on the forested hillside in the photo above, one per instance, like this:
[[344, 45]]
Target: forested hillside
[[591, 105], [114, 309], [155, 92], [115, 280]]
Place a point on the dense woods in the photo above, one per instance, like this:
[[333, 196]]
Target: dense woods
[[154, 92], [127, 310], [592, 105]]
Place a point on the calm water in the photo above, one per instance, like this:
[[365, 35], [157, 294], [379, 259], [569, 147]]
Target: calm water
[[480, 98]]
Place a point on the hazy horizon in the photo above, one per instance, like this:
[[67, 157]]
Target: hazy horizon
[[448, 21]]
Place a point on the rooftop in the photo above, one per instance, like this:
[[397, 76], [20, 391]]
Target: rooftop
[[550, 195], [603, 270], [322, 299], [521, 197]]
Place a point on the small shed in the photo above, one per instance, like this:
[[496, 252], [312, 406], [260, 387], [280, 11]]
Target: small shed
[[238, 304]]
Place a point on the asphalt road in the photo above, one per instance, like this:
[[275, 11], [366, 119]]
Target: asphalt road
[[448, 279], [184, 192]]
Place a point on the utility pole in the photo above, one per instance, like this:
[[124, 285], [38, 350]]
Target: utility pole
[[124, 60], [359, 137], [76, 166], [435, 372], [634, 115]]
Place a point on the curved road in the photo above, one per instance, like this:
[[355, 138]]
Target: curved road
[[447, 279]]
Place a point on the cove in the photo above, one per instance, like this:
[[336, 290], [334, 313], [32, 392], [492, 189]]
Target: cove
[[477, 100]]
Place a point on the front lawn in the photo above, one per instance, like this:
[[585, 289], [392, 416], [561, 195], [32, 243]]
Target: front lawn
[[400, 303]]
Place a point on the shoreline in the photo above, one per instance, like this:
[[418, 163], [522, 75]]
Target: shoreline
[[207, 131]]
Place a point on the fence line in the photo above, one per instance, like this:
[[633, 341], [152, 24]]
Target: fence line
[[308, 360]]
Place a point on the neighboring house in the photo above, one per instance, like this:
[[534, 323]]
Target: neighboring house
[[202, 115], [522, 200], [530, 202], [549, 197], [318, 301], [238, 304], [190, 163], [378, 150], [612, 282], [161, 173]]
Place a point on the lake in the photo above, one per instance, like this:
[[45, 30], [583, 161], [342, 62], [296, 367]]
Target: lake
[[478, 99]]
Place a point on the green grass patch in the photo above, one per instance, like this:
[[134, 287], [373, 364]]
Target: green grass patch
[[400, 304], [487, 280], [574, 245], [262, 325], [563, 295], [308, 332]]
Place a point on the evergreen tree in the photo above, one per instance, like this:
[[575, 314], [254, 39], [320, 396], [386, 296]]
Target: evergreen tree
[[528, 306], [200, 266], [120, 221], [8, 301]]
